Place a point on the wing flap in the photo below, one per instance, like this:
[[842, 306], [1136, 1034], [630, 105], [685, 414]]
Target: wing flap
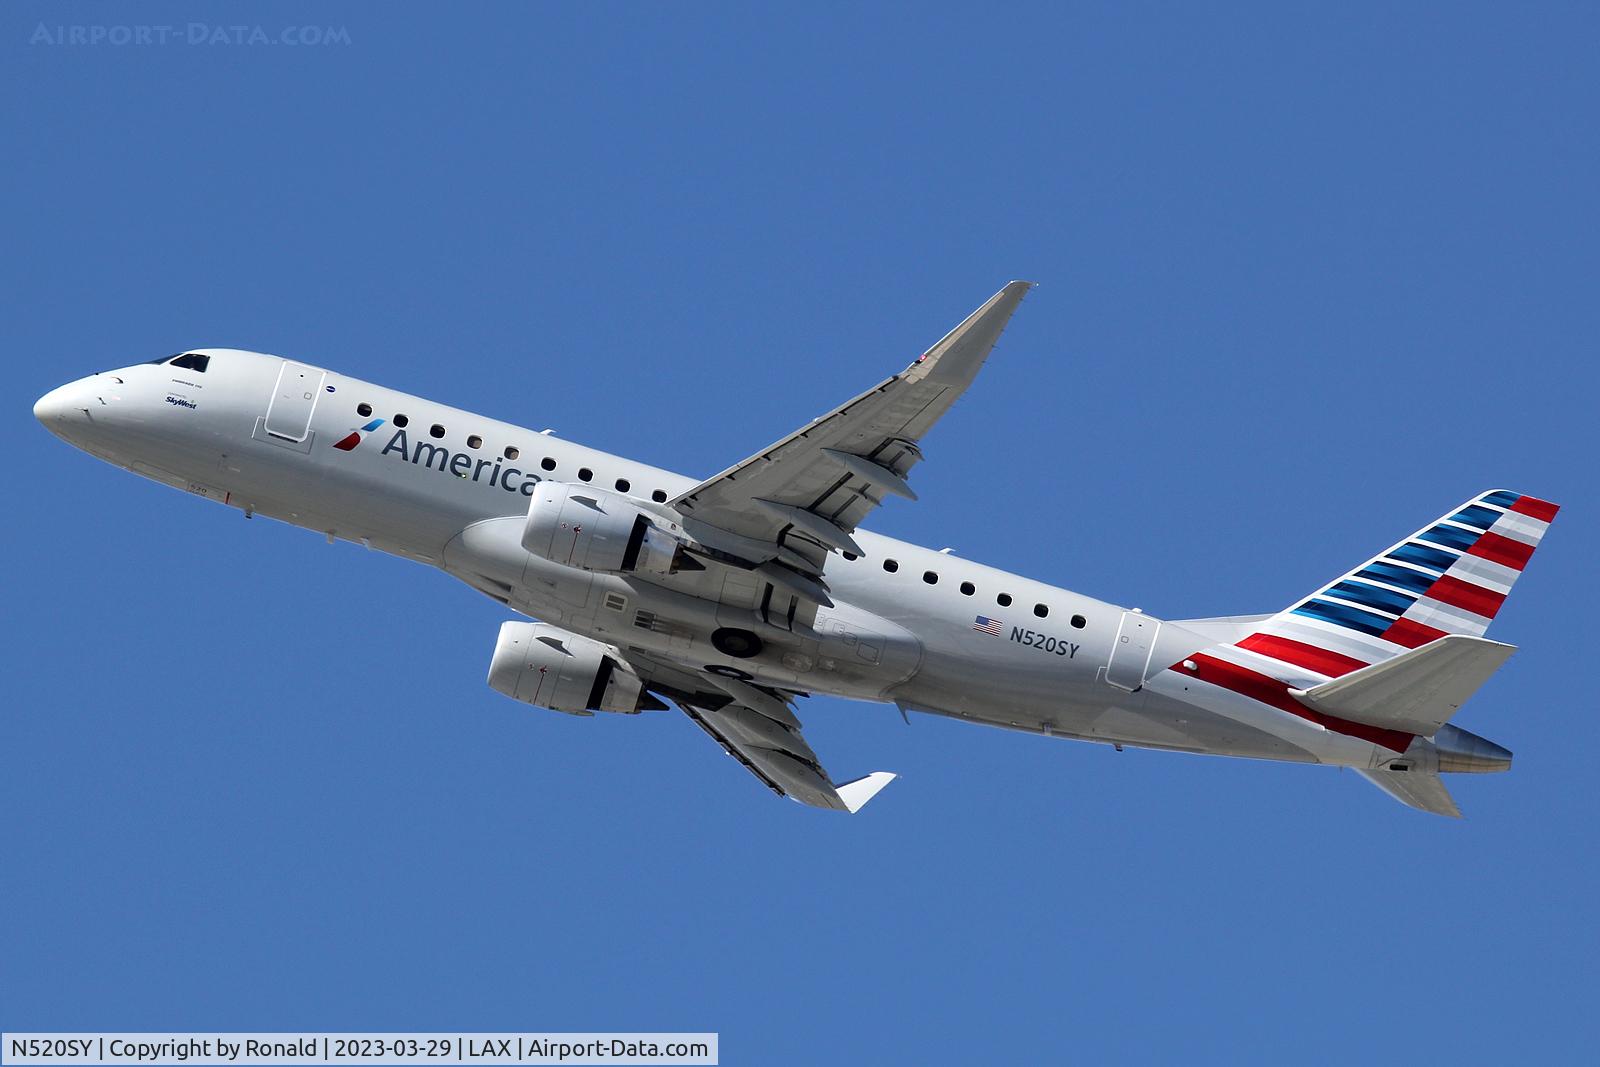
[[1416, 692]]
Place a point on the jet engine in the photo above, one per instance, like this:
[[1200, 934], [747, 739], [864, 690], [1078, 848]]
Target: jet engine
[[598, 530], [548, 667]]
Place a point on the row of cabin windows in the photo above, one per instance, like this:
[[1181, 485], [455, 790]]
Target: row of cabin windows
[[512, 452], [968, 589], [660, 497]]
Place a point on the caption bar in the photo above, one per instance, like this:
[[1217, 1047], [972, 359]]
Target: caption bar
[[291, 1048]]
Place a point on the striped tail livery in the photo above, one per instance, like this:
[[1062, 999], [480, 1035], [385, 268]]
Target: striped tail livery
[[1389, 651]]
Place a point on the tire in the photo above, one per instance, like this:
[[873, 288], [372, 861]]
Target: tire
[[740, 644]]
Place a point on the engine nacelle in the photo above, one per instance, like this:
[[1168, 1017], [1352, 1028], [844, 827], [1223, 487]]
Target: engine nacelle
[[598, 530], [548, 667]]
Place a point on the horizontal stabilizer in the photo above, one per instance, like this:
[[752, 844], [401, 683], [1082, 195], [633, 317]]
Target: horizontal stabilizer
[[1415, 692], [1414, 788]]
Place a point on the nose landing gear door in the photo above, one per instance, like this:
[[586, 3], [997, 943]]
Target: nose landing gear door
[[293, 400]]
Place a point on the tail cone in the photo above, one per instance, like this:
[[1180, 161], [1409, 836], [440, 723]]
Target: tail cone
[[1462, 751]]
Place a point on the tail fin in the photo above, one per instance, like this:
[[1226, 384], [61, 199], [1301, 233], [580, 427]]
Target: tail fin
[[1450, 577]]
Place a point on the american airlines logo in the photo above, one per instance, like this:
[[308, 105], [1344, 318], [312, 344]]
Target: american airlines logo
[[463, 465], [350, 442]]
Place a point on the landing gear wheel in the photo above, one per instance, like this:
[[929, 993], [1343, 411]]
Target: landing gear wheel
[[740, 644]]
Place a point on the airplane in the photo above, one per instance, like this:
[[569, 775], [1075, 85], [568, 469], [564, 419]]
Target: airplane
[[732, 597]]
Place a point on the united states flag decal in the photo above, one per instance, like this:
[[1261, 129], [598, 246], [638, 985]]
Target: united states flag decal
[[986, 625]]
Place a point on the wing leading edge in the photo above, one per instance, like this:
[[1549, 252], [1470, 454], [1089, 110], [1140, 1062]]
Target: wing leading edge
[[800, 498]]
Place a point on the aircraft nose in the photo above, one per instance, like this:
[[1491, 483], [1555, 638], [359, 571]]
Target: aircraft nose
[[65, 411], [54, 405]]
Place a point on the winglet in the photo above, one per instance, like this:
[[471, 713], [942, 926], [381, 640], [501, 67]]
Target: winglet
[[856, 794], [959, 354]]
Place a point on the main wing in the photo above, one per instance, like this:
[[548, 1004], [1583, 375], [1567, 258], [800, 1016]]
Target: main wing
[[757, 727], [802, 497]]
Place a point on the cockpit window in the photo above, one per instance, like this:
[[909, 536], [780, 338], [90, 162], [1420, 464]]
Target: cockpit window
[[193, 361], [163, 359]]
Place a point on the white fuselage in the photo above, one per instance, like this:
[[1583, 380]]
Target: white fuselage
[[905, 626]]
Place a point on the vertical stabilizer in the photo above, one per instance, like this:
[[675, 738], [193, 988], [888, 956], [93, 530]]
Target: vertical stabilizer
[[1447, 580], [1450, 577]]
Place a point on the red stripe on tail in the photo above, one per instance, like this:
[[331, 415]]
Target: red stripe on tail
[[1257, 686], [1466, 595], [1535, 508], [1411, 634], [1301, 654], [1502, 550]]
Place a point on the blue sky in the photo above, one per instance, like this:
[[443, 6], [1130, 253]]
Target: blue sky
[[1309, 276]]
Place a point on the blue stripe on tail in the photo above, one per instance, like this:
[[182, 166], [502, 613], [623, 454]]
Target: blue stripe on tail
[[1404, 577], [1341, 615], [1475, 516], [1423, 556], [1450, 536], [1372, 597]]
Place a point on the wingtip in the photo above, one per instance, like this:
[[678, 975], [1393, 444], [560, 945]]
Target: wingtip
[[856, 794]]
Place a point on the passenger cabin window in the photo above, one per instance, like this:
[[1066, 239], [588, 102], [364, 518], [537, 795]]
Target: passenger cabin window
[[622, 485], [968, 588], [547, 463], [1004, 600], [584, 474], [436, 430], [851, 556], [1040, 610], [401, 421], [890, 565], [658, 495], [474, 441], [193, 361], [363, 410], [930, 577], [511, 452], [1079, 622]]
